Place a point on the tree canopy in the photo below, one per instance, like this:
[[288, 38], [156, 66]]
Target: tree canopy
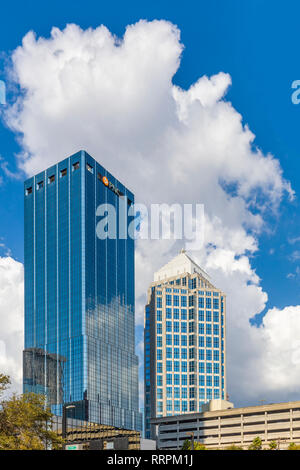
[[25, 422]]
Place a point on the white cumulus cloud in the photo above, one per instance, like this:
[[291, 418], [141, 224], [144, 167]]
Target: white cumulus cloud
[[11, 319], [116, 99]]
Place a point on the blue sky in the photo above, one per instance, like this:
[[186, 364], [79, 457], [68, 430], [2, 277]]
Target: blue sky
[[255, 41]]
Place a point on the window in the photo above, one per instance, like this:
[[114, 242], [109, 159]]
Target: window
[[183, 301], [216, 304], [159, 328], [208, 316], [208, 303], [159, 315], [176, 366], [89, 168], [169, 379], [201, 315], [176, 379], [184, 366], [177, 405], [168, 299], [216, 317], [158, 302], [40, 185], [159, 368], [183, 340], [191, 301], [159, 407], [28, 191], [168, 326], [216, 343], [183, 314], [176, 327], [183, 327], [184, 392], [192, 405], [159, 394], [51, 179], [176, 353], [169, 366], [201, 302], [169, 405], [176, 340], [63, 172], [169, 353], [201, 355], [159, 354], [75, 166], [191, 327], [176, 300]]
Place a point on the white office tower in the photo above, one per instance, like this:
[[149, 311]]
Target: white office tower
[[185, 352]]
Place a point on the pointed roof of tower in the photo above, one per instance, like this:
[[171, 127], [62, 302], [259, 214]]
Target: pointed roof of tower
[[181, 264]]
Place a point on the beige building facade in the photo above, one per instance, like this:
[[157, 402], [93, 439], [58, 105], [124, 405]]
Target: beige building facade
[[218, 429]]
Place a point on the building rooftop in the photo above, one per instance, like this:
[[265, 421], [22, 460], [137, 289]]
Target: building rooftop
[[181, 264]]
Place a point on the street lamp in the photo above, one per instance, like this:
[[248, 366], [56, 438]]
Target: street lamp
[[192, 435], [64, 420]]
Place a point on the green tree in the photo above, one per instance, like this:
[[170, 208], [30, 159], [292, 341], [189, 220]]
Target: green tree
[[186, 445], [4, 383], [293, 446], [256, 444], [273, 445], [199, 446], [25, 422]]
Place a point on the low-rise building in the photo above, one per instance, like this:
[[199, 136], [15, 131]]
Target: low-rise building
[[221, 428]]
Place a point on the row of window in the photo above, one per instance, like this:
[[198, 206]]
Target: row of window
[[203, 354], [209, 316]]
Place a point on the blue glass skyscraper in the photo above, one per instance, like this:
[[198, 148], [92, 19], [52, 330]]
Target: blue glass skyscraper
[[79, 295]]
